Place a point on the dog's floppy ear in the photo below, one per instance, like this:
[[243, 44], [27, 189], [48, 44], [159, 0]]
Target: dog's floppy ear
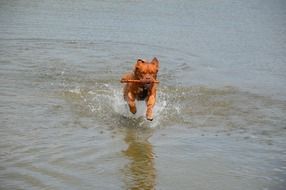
[[139, 61], [155, 61]]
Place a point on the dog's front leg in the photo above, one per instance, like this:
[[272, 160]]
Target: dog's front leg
[[131, 102], [150, 104]]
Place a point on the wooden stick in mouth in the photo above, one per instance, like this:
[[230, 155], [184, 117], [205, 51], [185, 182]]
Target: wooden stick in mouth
[[139, 81]]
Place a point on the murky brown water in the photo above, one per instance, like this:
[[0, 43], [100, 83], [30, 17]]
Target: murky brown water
[[220, 116]]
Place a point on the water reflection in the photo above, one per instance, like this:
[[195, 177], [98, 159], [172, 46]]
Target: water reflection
[[140, 172]]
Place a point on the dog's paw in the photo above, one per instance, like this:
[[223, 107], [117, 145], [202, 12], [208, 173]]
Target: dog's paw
[[149, 117], [133, 110], [149, 114]]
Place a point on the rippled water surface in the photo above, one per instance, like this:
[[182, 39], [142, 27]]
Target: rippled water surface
[[220, 116]]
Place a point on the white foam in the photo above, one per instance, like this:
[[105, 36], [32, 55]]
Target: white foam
[[75, 91], [109, 100]]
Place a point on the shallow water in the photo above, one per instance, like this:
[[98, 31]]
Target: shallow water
[[220, 115]]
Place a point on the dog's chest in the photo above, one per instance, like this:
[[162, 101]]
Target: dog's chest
[[142, 92]]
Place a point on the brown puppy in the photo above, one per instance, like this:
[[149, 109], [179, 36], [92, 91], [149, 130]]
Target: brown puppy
[[144, 71]]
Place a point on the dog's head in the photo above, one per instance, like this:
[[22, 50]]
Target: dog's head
[[145, 70]]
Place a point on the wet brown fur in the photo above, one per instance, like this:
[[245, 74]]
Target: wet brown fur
[[143, 70]]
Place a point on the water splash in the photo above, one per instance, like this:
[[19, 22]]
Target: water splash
[[105, 102]]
